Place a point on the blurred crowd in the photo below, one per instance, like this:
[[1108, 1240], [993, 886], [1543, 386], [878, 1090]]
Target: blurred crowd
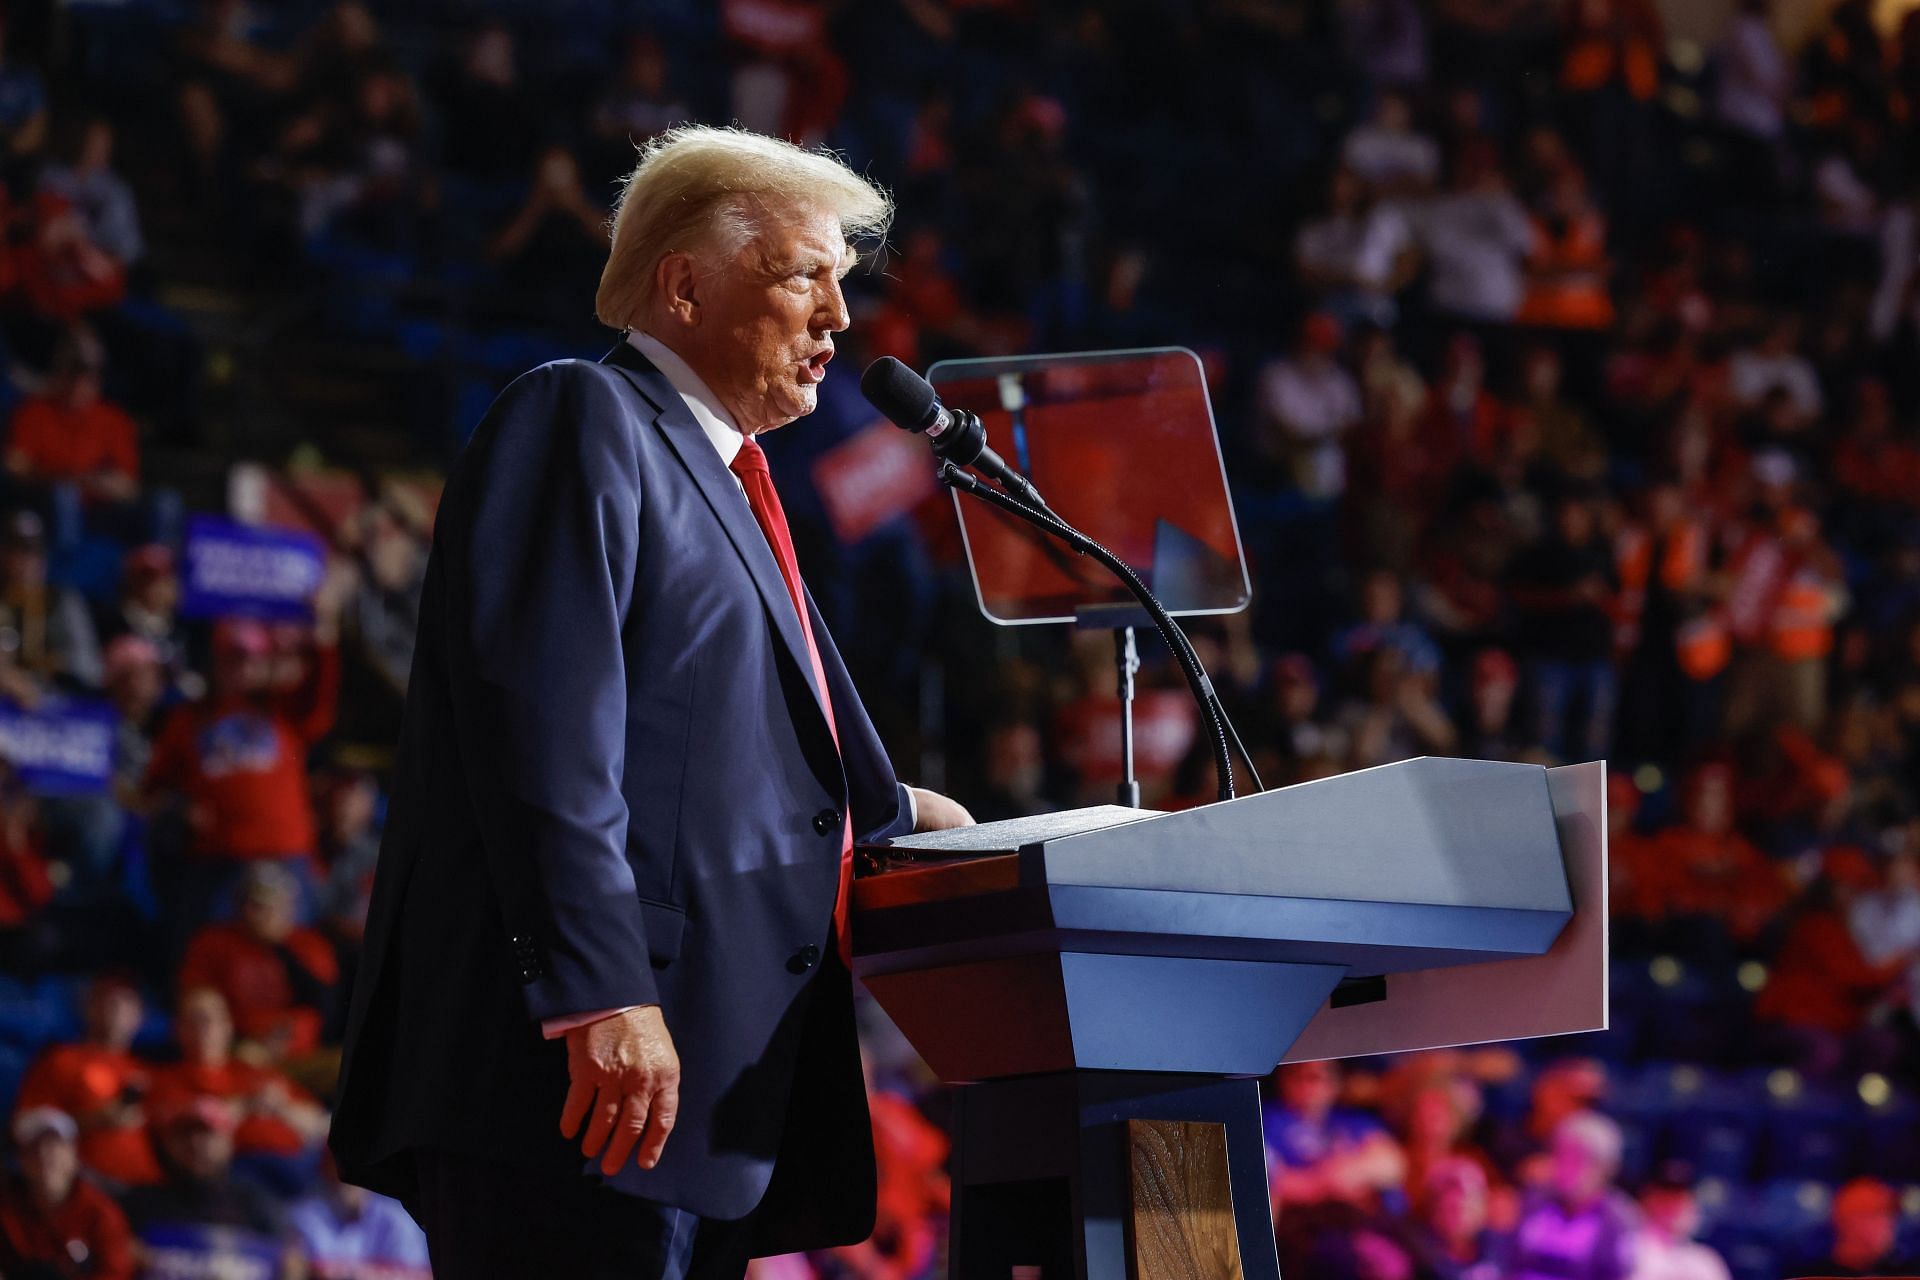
[[1565, 375]]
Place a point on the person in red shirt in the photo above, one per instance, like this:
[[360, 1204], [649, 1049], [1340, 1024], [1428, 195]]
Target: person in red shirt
[[61, 271], [53, 1222], [276, 1117], [70, 433], [26, 878], [1705, 869], [238, 758], [1822, 987], [100, 1084], [913, 1197], [278, 979]]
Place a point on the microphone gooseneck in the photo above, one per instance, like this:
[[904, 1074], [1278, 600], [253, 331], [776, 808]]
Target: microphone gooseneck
[[1176, 640]]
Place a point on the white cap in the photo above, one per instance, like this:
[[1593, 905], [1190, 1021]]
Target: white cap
[[36, 1122]]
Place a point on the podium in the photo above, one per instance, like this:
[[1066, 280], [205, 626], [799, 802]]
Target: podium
[[1109, 985]]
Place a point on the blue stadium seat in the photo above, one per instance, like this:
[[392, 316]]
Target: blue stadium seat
[[1752, 1260], [1812, 1141], [26, 1020], [1795, 1213], [91, 566], [1717, 1127], [1716, 1146], [64, 996], [422, 339], [1889, 1145], [14, 1062]]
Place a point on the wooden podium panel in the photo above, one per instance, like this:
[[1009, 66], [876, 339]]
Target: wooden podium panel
[[1182, 1226], [1560, 992]]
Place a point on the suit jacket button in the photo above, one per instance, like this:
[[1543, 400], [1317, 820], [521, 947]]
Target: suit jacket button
[[529, 974], [826, 821], [804, 959]]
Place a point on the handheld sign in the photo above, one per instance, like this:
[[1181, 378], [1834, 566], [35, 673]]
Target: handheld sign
[[235, 569], [62, 747]]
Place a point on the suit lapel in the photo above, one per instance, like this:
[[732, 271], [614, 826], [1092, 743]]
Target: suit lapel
[[722, 492]]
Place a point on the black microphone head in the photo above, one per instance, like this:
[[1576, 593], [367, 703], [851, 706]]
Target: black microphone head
[[901, 394]]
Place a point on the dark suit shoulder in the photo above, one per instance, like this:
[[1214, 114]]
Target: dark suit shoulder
[[564, 384], [575, 406]]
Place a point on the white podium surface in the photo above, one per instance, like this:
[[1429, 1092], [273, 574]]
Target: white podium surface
[[1560, 992]]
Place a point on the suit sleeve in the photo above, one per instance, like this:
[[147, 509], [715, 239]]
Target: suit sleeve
[[543, 558]]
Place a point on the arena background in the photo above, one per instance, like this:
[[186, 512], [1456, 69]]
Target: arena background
[[1565, 363]]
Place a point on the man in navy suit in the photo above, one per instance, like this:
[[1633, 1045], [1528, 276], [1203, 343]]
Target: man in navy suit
[[604, 1023]]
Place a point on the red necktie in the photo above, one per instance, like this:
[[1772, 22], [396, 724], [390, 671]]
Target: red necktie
[[750, 464]]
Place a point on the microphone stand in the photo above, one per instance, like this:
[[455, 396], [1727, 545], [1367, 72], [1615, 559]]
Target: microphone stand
[[1126, 661], [1044, 519]]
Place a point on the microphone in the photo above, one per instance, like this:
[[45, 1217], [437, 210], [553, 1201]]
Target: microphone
[[909, 401]]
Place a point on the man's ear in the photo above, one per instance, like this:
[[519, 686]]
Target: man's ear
[[677, 284]]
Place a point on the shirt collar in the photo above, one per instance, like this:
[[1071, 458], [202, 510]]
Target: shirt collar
[[707, 409]]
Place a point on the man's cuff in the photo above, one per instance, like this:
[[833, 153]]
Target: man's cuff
[[913, 808], [554, 1028]]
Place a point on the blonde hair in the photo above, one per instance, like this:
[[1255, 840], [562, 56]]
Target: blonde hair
[[703, 189]]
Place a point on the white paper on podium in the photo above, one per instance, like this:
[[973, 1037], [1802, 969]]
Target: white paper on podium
[[1560, 992]]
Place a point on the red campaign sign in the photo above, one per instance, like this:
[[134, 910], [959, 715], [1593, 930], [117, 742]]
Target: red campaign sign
[[318, 502], [871, 477], [1164, 725]]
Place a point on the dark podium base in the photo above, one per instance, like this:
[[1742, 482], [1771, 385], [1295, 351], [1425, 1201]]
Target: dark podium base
[[1041, 1171]]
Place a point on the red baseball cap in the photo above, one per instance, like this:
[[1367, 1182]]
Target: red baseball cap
[[206, 1109], [241, 637], [143, 564]]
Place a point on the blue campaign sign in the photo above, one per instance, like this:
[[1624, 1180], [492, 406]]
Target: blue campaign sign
[[233, 569], [62, 747], [193, 1251]]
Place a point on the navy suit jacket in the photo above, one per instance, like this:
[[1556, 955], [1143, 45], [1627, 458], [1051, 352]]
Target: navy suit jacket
[[616, 785]]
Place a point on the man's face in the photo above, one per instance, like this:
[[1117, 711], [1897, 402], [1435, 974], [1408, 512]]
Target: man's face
[[763, 329], [204, 1029], [242, 672], [1673, 1210], [1459, 1209], [114, 1014], [1578, 1173], [159, 593], [50, 1163], [24, 563], [137, 689], [268, 914], [1309, 1087], [197, 1148]]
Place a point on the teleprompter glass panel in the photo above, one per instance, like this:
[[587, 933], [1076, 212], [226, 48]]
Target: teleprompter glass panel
[[1122, 446]]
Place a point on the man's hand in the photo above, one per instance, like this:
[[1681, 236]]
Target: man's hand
[[625, 1082], [935, 812]]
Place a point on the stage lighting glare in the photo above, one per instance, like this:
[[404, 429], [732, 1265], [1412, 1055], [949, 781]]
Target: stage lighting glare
[[1783, 1083], [1751, 975], [1665, 971], [1813, 1197], [1648, 779], [1687, 1079], [1874, 1089]]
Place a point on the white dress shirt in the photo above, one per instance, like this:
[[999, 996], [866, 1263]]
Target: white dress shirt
[[706, 407]]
